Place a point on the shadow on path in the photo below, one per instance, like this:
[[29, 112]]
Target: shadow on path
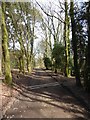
[[53, 95]]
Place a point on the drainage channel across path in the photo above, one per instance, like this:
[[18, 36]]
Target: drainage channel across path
[[40, 96]]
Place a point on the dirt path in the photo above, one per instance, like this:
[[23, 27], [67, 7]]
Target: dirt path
[[40, 96]]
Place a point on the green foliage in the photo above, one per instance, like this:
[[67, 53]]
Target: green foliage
[[58, 56], [47, 62], [23, 18]]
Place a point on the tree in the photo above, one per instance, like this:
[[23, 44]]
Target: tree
[[47, 63], [67, 40], [8, 76], [81, 36], [74, 44], [58, 57], [21, 21], [87, 71], [46, 41], [0, 43]]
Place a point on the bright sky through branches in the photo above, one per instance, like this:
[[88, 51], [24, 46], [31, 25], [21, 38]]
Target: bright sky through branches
[[41, 1]]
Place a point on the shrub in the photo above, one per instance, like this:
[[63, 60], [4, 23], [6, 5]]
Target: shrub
[[47, 63], [58, 56]]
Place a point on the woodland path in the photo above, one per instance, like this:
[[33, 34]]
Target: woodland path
[[40, 96]]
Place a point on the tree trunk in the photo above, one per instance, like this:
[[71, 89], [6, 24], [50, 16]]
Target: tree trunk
[[67, 40], [32, 40], [87, 71], [22, 60], [0, 43], [8, 76], [74, 45]]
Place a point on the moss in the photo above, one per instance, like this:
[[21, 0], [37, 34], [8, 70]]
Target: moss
[[8, 79], [67, 40], [8, 76], [0, 73]]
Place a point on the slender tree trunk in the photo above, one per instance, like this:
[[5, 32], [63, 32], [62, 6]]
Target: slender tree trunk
[[0, 43], [53, 27], [27, 54], [65, 48], [21, 55], [32, 39], [87, 71], [8, 76], [74, 44], [27, 60], [31, 53], [88, 11], [66, 39], [46, 44]]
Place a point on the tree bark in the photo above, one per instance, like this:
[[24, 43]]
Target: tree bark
[[0, 43], [67, 40], [8, 76], [32, 39], [74, 45], [87, 71]]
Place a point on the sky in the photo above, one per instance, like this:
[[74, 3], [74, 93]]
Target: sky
[[45, 1], [41, 1]]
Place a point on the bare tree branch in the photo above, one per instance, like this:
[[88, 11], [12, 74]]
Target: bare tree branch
[[48, 13]]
